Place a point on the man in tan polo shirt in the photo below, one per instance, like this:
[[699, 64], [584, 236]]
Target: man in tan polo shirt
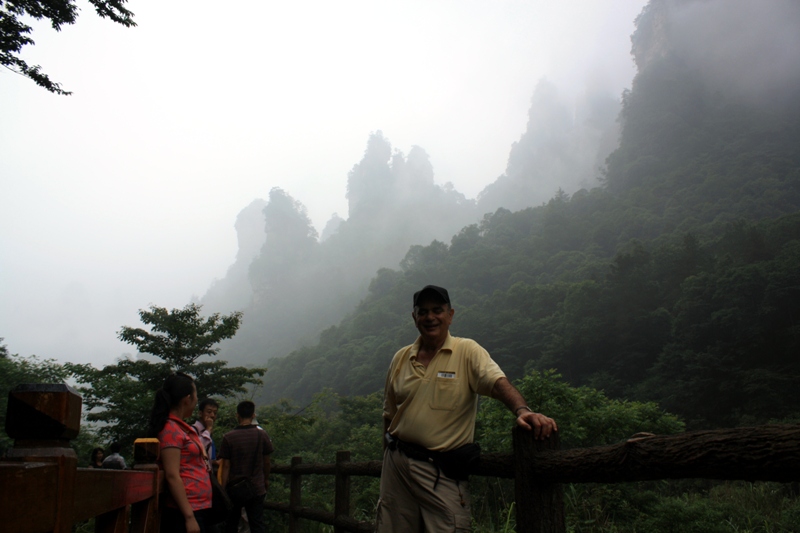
[[429, 407]]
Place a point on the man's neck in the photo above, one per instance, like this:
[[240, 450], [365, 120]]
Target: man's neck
[[428, 350], [245, 421], [431, 345]]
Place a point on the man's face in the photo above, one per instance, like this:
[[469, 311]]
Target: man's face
[[433, 318], [208, 416]]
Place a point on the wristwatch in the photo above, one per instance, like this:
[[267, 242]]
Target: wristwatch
[[516, 411]]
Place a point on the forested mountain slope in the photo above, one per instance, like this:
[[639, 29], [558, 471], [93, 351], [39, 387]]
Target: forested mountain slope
[[677, 281]]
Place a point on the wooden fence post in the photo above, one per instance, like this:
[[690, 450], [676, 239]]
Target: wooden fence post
[[295, 496], [145, 515], [341, 502], [540, 504], [42, 419]]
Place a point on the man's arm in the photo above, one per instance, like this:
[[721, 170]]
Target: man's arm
[[507, 393], [226, 470]]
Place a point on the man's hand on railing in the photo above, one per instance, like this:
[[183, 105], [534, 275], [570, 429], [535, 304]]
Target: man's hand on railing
[[542, 426]]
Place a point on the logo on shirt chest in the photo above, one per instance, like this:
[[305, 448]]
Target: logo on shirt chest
[[446, 375]]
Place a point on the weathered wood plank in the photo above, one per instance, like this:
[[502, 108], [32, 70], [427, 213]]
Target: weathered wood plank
[[540, 502], [30, 496], [763, 453], [341, 494], [100, 491]]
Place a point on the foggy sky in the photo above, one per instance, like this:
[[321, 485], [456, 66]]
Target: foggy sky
[[125, 194]]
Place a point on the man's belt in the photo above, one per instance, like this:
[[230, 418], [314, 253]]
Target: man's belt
[[414, 451], [455, 464]]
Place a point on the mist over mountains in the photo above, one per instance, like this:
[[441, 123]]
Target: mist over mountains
[[632, 244], [394, 203]]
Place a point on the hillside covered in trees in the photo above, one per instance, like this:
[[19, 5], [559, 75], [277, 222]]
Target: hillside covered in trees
[[677, 280]]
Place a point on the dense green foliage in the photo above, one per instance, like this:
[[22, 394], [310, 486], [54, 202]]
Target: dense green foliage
[[14, 33], [120, 396], [678, 507], [586, 417]]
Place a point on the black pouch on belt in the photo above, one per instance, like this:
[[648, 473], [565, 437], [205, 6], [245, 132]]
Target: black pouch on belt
[[457, 464]]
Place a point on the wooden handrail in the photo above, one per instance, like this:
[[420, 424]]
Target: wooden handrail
[[762, 453], [43, 490]]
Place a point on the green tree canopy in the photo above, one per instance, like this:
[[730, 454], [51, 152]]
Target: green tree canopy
[[180, 336], [14, 33], [120, 396]]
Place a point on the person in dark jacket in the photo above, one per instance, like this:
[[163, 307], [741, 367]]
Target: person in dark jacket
[[245, 459]]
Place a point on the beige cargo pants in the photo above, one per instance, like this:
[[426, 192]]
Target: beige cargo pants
[[409, 503]]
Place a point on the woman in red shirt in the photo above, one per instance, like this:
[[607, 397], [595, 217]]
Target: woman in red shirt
[[182, 457]]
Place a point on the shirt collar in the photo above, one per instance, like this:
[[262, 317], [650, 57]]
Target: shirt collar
[[448, 345], [180, 421], [201, 428]]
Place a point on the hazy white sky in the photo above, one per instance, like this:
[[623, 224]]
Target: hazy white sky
[[125, 193]]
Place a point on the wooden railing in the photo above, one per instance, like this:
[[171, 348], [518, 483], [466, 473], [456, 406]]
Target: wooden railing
[[764, 453], [42, 488]]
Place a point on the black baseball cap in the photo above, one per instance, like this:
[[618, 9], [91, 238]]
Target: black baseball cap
[[441, 292]]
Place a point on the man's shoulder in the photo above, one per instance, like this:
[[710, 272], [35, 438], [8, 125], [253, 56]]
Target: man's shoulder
[[239, 433], [244, 439], [469, 351], [465, 344], [114, 460]]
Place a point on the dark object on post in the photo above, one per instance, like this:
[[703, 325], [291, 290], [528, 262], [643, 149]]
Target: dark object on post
[[43, 412]]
